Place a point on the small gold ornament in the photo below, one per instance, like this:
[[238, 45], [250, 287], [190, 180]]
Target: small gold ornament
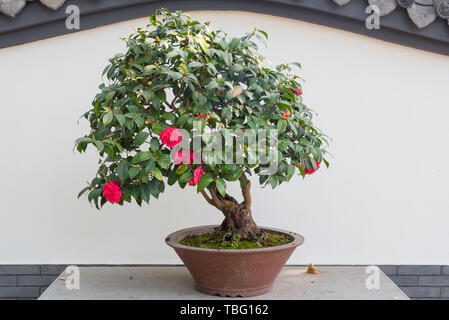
[[312, 269]]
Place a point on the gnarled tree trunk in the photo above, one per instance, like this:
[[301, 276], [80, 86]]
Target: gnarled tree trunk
[[238, 219]]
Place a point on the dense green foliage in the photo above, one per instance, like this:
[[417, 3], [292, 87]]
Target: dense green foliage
[[174, 70]]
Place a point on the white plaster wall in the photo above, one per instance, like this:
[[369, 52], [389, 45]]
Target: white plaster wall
[[384, 200]]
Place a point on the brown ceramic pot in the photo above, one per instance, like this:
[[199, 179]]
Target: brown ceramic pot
[[229, 272]]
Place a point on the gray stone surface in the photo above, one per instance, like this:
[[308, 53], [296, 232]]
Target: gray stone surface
[[35, 280], [8, 281], [419, 270], [422, 292], [53, 4], [19, 292], [53, 269], [11, 7], [385, 6], [389, 270], [442, 8], [405, 281], [422, 16], [433, 281], [445, 292], [19, 269], [176, 283], [445, 270]]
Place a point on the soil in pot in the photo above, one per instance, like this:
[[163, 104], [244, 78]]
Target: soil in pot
[[226, 240]]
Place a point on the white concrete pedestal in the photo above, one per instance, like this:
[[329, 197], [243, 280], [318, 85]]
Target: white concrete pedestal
[[175, 282]]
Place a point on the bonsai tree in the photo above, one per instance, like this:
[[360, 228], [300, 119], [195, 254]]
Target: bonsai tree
[[180, 76]]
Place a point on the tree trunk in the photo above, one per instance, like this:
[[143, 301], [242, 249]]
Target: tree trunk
[[238, 219]]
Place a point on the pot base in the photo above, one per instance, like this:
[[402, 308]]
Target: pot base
[[234, 293]]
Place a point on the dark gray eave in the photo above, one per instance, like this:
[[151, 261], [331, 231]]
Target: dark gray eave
[[36, 21]]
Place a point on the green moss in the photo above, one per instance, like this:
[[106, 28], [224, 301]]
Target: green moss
[[223, 240]]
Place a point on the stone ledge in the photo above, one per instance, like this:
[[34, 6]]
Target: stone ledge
[[175, 283]]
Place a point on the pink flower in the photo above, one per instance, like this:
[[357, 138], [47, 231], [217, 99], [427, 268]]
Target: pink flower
[[286, 114], [312, 170], [197, 174], [171, 137], [183, 157], [297, 91], [201, 116], [112, 192]]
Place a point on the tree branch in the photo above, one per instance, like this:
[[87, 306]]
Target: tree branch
[[215, 199], [208, 199], [246, 192]]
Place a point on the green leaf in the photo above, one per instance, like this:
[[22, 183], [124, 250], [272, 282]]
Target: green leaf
[[169, 116], [100, 145], [109, 96], [183, 119], [212, 85], [120, 119], [205, 180], [155, 102], [141, 156], [237, 68], [234, 44], [226, 113], [282, 125], [156, 172], [290, 171], [150, 165], [273, 181], [107, 118], [186, 176], [140, 138], [133, 171], [164, 161], [94, 194], [83, 191], [172, 178], [154, 144], [154, 187], [135, 192], [237, 172], [145, 192], [172, 54], [194, 64], [263, 32], [157, 128], [149, 68], [297, 64], [221, 186], [181, 169], [122, 170]]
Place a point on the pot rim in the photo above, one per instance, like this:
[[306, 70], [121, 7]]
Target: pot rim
[[173, 238]]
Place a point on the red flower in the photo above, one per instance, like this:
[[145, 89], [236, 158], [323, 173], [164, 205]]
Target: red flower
[[201, 116], [197, 174], [112, 192], [312, 170], [183, 157], [297, 91], [286, 114], [171, 137]]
